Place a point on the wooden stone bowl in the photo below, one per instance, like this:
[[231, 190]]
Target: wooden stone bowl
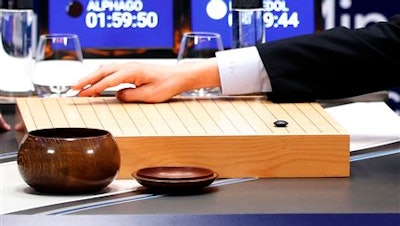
[[68, 160]]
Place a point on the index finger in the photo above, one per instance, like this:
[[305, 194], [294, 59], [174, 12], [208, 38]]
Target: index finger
[[95, 76]]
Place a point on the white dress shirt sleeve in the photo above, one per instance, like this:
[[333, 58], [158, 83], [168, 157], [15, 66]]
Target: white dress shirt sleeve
[[242, 72]]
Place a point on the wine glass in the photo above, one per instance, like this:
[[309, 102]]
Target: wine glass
[[58, 64], [197, 46]]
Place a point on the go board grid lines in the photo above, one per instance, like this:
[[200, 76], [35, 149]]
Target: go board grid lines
[[180, 116], [234, 136]]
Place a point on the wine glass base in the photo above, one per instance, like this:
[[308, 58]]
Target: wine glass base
[[16, 93], [203, 92]]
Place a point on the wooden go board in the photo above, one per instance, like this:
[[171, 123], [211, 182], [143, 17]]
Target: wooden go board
[[234, 136]]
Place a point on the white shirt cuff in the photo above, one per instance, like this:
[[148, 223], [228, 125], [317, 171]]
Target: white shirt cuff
[[242, 72]]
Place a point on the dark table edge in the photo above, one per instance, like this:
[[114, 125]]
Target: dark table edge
[[373, 219]]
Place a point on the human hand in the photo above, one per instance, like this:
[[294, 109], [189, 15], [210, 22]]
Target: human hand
[[4, 126], [154, 83]]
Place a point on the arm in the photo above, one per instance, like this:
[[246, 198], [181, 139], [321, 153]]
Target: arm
[[335, 63]]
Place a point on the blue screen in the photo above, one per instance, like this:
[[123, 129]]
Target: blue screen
[[282, 18], [109, 24]]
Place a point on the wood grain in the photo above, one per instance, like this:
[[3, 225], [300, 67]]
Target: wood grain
[[234, 136]]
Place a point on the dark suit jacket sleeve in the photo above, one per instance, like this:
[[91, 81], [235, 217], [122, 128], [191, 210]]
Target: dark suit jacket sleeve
[[334, 63]]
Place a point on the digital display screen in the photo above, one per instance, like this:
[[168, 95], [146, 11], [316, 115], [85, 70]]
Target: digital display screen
[[153, 28], [282, 18], [111, 24]]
